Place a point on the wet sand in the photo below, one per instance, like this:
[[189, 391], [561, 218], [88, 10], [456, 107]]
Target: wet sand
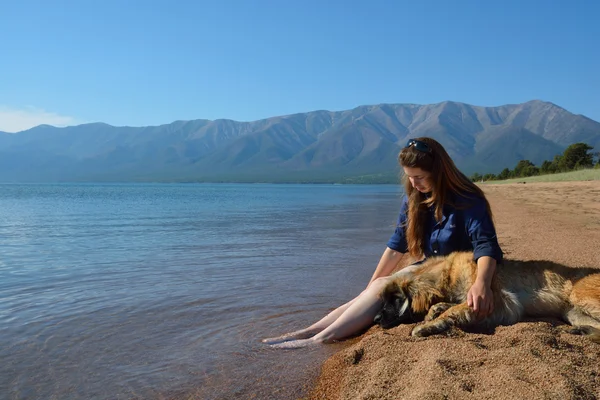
[[530, 360]]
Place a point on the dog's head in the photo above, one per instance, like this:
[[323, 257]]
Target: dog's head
[[396, 307]]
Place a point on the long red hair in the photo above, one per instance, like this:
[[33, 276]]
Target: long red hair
[[445, 179]]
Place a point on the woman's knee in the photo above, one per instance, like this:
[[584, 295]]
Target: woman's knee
[[379, 284]]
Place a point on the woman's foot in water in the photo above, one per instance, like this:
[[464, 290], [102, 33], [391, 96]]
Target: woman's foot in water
[[298, 344], [297, 335]]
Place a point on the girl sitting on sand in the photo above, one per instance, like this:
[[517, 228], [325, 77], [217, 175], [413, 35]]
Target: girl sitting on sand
[[442, 212]]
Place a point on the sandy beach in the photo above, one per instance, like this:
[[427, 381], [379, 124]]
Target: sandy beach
[[530, 360]]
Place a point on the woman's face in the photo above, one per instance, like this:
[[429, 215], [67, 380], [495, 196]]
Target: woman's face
[[419, 179]]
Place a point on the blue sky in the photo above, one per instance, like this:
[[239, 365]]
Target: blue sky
[[152, 62]]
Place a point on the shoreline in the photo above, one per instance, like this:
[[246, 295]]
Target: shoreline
[[557, 221]]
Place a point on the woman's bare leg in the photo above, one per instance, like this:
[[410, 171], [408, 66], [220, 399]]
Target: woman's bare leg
[[314, 328], [357, 316], [343, 321]]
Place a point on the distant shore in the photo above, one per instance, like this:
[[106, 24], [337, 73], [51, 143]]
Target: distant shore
[[558, 221]]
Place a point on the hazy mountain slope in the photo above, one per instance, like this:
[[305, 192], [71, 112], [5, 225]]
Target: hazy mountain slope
[[508, 145], [357, 148]]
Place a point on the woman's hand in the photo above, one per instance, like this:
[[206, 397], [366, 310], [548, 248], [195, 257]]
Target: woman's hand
[[481, 299]]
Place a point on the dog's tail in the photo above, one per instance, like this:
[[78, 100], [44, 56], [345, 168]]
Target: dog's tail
[[591, 332]]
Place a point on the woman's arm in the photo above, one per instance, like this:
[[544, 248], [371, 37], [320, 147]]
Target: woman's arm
[[480, 296], [389, 260], [487, 252]]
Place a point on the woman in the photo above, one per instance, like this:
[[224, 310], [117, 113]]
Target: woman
[[442, 211]]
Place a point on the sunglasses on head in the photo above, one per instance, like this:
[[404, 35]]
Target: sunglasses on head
[[419, 145]]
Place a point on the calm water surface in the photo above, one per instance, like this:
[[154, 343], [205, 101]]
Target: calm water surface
[[116, 291]]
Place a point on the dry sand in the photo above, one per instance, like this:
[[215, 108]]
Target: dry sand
[[529, 360]]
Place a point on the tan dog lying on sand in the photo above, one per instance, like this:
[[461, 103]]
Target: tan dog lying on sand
[[437, 290]]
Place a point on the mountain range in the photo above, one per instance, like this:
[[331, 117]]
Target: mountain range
[[318, 146]]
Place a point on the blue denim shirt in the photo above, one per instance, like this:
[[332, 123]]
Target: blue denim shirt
[[468, 227]]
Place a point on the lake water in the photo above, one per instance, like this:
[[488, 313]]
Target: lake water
[[155, 291]]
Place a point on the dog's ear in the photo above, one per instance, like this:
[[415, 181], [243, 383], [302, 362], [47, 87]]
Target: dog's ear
[[394, 292], [390, 291], [422, 293]]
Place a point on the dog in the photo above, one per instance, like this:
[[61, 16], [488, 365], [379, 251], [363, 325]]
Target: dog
[[436, 291]]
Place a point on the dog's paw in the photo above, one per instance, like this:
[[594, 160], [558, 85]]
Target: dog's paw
[[436, 310], [429, 329], [583, 330], [421, 331]]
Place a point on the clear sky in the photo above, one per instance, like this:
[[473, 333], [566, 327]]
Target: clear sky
[[152, 62]]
